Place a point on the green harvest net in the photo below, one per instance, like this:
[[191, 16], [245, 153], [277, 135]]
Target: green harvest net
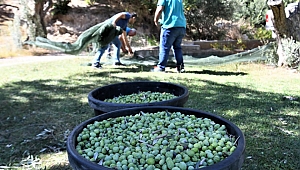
[[256, 54], [98, 35], [104, 32]]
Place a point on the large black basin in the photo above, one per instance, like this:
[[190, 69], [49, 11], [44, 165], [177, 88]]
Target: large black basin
[[97, 96], [232, 162]]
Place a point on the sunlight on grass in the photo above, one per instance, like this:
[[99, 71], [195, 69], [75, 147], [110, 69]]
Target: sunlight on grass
[[19, 98], [53, 158], [232, 113]]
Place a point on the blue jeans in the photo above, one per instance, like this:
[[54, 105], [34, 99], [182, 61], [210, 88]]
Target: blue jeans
[[171, 37], [116, 45]]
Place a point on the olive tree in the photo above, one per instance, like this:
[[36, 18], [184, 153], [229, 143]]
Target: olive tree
[[250, 10], [288, 34], [253, 11], [33, 13], [202, 15]]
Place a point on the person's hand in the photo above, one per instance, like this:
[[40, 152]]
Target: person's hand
[[125, 51], [131, 52]]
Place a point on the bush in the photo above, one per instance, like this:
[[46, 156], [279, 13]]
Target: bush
[[202, 15], [252, 10], [291, 49], [271, 55], [90, 2], [61, 7], [262, 34]]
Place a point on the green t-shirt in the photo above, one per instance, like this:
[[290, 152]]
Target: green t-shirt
[[173, 15]]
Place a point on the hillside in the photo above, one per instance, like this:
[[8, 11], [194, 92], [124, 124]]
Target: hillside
[[67, 27]]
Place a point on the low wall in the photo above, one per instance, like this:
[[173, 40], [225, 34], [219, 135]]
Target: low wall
[[193, 50], [204, 48], [247, 44]]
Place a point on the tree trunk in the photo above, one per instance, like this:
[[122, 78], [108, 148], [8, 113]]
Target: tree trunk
[[38, 19], [279, 21], [39, 15], [34, 13], [293, 24], [280, 26], [284, 28]]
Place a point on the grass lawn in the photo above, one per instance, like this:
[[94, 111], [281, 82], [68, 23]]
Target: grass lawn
[[40, 103]]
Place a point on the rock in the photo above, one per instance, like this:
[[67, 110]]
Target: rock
[[58, 23], [63, 30], [245, 37]]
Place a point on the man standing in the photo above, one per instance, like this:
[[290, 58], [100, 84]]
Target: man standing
[[121, 19], [173, 29]]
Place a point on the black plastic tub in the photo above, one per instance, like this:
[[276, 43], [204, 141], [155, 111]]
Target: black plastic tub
[[232, 162], [97, 96]]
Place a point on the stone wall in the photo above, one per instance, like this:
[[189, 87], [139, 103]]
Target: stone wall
[[203, 48]]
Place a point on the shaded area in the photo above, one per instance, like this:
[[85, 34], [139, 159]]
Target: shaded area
[[27, 108], [139, 68], [219, 73], [6, 13], [201, 57]]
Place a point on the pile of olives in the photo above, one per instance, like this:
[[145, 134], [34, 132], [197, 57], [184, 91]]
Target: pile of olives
[[153, 141], [142, 97]]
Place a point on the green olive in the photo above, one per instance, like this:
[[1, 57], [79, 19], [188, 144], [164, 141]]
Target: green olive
[[160, 140], [142, 97]]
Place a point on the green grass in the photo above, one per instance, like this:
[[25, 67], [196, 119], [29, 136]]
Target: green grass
[[53, 96]]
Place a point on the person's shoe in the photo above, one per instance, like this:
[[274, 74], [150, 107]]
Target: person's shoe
[[180, 69], [158, 69], [119, 64], [96, 65]]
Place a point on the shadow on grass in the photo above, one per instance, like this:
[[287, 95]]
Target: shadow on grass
[[60, 167], [218, 73], [147, 68], [29, 107], [267, 120]]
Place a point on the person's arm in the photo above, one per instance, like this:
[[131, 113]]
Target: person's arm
[[117, 18], [123, 48], [158, 11], [124, 40]]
